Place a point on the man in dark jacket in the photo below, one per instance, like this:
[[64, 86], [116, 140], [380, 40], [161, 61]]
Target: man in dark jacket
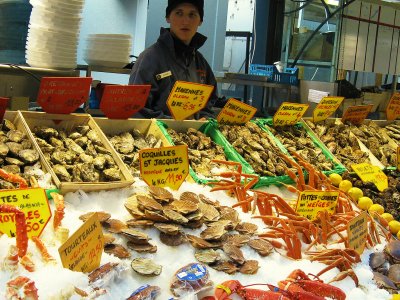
[[173, 57]]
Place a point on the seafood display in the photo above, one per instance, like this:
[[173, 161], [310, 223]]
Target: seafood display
[[257, 147], [77, 155], [370, 134], [386, 267], [19, 161], [129, 143], [389, 198], [296, 139], [340, 141], [201, 150], [393, 131]]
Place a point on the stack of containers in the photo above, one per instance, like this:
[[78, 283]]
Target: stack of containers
[[108, 50], [54, 33], [14, 19]]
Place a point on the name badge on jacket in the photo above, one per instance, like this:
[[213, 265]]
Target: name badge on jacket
[[163, 75]]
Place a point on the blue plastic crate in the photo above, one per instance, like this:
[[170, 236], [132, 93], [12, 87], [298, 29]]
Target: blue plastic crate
[[289, 75], [262, 70]]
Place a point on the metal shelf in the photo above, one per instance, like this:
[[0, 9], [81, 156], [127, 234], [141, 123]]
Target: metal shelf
[[90, 69]]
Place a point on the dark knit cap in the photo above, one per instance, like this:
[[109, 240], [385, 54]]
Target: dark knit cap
[[174, 3]]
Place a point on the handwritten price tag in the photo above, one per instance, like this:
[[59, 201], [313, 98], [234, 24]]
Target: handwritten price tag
[[3, 107], [357, 232], [326, 107], [166, 166], [370, 173], [236, 112], [82, 251], [289, 113], [122, 101], [187, 98], [393, 107], [310, 203], [356, 114], [63, 95], [34, 204]]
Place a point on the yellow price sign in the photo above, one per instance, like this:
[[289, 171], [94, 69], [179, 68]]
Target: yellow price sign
[[166, 166], [82, 251], [393, 107], [289, 113], [187, 98], [236, 112], [370, 173], [356, 114], [33, 203], [309, 203], [326, 107], [357, 231]]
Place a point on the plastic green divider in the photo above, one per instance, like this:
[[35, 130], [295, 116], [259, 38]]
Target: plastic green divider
[[211, 131], [338, 167], [263, 180]]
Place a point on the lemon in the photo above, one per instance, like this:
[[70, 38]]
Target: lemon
[[395, 296], [355, 193], [365, 202], [388, 217], [345, 185], [335, 179], [376, 208], [394, 226], [398, 237]]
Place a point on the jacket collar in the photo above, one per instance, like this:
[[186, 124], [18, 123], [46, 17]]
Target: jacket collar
[[166, 38]]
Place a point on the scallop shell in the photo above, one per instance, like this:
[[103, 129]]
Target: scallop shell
[[238, 240], [184, 207], [117, 250], [234, 253], [263, 247], [146, 267], [225, 266], [148, 203], [160, 193], [139, 223], [172, 240], [114, 225], [142, 248], [189, 196], [155, 216], [102, 215], [249, 267], [175, 216], [171, 229], [210, 213], [136, 236], [246, 228], [214, 232], [208, 256], [200, 243]]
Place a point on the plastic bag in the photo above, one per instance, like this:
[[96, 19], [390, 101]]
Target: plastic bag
[[145, 292]]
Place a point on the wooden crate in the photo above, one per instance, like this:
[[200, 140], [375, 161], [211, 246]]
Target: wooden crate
[[68, 122]]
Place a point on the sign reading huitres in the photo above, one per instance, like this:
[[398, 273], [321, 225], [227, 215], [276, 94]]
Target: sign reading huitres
[[236, 112], [289, 113], [166, 166], [187, 98]]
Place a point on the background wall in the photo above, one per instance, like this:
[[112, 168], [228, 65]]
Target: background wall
[[143, 19]]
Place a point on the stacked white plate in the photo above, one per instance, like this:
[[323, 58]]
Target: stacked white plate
[[108, 50], [53, 33]]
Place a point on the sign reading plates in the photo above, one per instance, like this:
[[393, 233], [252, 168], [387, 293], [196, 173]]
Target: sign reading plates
[[357, 231], [33, 202], [187, 98], [326, 107], [393, 107], [289, 113], [310, 203], [236, 112], [3, 107], [370, 173], [166, 166], [356, 114], [82, 251], [63, 95], [122, 101]]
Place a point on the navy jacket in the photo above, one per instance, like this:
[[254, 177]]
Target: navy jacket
[[184, 62]]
